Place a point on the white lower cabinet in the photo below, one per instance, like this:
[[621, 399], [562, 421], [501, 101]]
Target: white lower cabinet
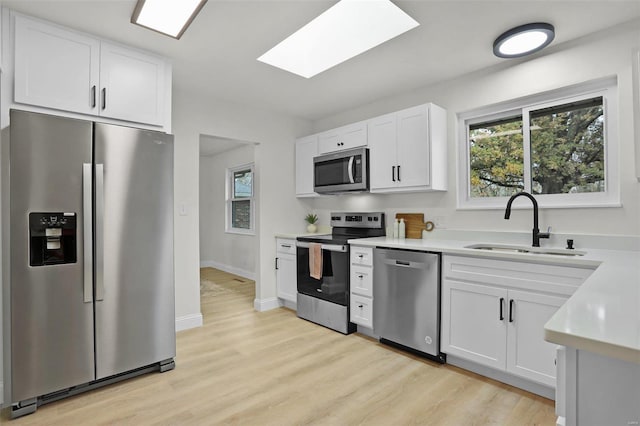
[[502, 326], [286, 269], [361, 286], [362, 310]]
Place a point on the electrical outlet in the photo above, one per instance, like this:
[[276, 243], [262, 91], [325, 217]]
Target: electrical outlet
[[440, 222]]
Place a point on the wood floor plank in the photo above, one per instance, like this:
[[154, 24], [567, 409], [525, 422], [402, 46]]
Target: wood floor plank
[[244, 367]]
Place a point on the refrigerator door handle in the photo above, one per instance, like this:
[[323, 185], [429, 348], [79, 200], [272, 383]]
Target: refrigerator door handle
[[99, 232], [87, 232]]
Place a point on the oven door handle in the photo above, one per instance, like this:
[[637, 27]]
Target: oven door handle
[[350, 167], [328, 247]]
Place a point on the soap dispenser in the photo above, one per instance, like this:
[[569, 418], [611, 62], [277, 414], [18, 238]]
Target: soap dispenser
[[396, 228], [402, 229]]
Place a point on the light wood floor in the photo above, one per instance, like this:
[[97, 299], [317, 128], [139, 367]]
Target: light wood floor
[[272, 368]]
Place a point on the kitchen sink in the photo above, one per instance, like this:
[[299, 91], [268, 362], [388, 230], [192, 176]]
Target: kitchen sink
[[504, 248]]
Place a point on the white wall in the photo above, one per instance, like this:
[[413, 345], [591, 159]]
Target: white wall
[[235, 253], [608, 53], [278, 210]]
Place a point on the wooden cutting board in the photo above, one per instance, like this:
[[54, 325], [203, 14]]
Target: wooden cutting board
[[413, 224]]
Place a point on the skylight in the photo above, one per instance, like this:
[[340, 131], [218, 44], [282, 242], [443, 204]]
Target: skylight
[[170, 17], [347, 29]]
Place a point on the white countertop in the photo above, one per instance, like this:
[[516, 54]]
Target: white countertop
[[602, 316]]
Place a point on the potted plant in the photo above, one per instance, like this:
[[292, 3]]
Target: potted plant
[[311, 219]]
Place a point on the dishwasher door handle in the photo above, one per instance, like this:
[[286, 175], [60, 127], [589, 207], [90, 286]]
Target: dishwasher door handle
[[405, 264]]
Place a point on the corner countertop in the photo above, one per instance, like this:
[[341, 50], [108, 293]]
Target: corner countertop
[[602, 316]]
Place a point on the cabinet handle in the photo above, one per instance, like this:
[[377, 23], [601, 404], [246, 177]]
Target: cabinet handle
[[285, 245], [360, 306], [511, 304], [276, 263], [361, 276], [393, 173], [360, 256], [93, 96], [398, 173], [501, 308], [104, 98]]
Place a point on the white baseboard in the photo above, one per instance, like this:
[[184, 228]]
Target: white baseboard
[[188, 321], [228, 268], [262, 305]]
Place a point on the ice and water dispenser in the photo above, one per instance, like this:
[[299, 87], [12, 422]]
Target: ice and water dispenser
[[52, 238]]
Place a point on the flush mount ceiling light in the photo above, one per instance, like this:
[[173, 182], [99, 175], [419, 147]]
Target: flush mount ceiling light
[[343, 31], [169, 17], [523, 40]]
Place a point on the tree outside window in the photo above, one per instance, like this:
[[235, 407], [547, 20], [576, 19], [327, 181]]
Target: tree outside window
[[555, 150]]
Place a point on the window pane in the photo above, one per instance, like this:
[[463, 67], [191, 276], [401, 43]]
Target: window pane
[[242, 181], [241, 214], [496, 158], [567, 148]]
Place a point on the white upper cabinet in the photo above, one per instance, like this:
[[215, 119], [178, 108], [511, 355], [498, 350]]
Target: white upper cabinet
[[345, 137], [55, 68], [58, 68], [408, 150], [306, 149], [131, 85]]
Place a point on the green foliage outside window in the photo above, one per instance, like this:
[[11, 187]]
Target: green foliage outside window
[[566, 147]]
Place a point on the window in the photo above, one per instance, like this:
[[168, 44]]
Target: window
[[240, 203], [561, 147]]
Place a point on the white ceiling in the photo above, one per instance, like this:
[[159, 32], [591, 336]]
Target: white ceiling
[[217, 55]]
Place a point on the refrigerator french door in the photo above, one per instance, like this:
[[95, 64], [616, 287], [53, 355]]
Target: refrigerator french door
[[91, 252]]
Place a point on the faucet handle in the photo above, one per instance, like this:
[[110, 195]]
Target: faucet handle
[[545, 234]]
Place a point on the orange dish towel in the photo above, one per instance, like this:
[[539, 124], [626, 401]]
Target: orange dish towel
[[315, 260]]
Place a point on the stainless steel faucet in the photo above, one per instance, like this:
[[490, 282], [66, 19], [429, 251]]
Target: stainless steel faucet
[[536, 232]]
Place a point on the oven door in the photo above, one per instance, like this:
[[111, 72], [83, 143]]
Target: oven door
[[341, 171], [333, 286]]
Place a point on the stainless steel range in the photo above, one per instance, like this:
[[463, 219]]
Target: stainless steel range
[[323, 269]]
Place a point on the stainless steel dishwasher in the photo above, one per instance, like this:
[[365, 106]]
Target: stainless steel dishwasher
[[406, 300]]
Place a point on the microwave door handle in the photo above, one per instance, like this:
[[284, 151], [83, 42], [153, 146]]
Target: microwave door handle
[[350, 167]]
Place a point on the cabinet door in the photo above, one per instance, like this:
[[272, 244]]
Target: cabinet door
[[362, 310], [345, 137], [382, 152], [131, 85], [528, 354], [472, 327], [306, 149], [413, 147], [55, 68], [286, 277]]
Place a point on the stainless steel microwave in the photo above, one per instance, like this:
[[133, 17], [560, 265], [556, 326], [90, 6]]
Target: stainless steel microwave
[[343, 171]]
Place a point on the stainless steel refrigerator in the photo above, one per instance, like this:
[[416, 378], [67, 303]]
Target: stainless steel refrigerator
[[91, 285]]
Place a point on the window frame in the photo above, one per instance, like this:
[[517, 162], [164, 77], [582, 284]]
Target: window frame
[[229, 199], [606, 88]]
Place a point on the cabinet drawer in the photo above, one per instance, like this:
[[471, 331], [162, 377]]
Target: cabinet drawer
[[362, 280], [362, 310], [530, 276], [285, 246], [362, 255]]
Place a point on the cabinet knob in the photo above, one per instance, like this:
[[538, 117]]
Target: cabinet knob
[[360, 256], [361, 276], [360, 306]]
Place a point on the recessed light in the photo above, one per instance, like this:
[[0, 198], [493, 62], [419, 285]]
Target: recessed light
[[347, 29], [169, 17], [523, 40]]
